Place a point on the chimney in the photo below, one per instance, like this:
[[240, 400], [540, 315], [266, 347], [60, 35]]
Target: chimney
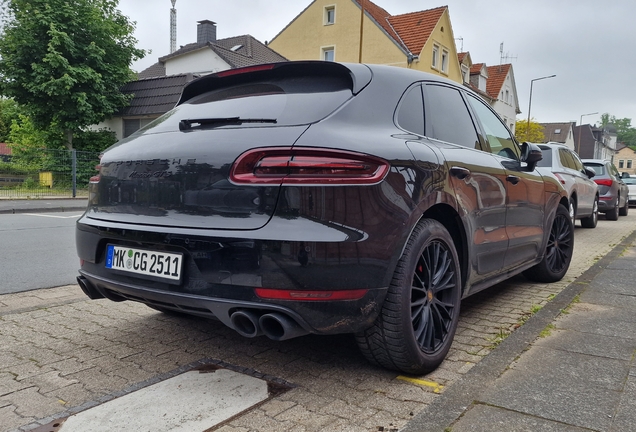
[[206, 32]]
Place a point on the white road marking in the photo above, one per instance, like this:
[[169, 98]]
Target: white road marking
[[53, 216], [193, 401]]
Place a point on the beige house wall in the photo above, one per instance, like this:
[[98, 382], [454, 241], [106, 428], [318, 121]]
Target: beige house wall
[[306, 36], [443, 37], [628, 156]]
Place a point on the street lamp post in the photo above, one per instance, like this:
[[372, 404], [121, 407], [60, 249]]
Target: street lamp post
[[530, 102], [578, 145]]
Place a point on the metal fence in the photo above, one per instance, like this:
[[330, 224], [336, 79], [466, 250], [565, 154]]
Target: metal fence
[[47, 173]]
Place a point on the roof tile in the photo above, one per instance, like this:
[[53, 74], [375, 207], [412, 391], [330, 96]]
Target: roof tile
[[415, 28]]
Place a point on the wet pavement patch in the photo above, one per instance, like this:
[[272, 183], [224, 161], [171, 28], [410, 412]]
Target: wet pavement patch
[[200, 398]]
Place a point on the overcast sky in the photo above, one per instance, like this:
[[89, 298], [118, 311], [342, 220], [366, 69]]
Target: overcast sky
[[589, 44]]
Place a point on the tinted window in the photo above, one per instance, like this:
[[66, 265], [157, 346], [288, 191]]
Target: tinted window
[[447, 117], [411, 112], [498, 136], [598, 169], [288, 100], [547, 157]]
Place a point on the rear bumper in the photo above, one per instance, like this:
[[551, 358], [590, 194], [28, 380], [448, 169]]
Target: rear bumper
[[605, 204], [220, 278]]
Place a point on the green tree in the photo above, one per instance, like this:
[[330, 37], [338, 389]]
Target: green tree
[[65, 60], [534, 133], [625, 133], [9, 111]]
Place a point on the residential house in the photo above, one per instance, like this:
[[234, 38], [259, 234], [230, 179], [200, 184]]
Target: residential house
[[465, 63], [502, 89], [338, 30], [625, 159], [159, 86], [594, 143], [5, 152], [496, 84], [562, 133]]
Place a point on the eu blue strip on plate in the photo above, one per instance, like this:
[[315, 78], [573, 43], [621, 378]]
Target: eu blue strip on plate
[[109, 256]]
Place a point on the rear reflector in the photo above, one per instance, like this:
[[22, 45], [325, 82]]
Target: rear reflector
[[307, 166], [275, 294]]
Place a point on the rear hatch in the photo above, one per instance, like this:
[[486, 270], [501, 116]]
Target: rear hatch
[[175, 171]]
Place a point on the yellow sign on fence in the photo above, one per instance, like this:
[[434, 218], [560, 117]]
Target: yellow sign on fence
[[46, 179]]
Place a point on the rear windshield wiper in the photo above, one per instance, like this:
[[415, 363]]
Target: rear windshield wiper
[[188, 124]]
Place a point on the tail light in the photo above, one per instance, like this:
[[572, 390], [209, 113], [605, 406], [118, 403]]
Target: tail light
[[604, 182], [307, 166]]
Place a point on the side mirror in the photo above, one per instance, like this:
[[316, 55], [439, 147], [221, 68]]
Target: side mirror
[[589, 172], [530, 154]]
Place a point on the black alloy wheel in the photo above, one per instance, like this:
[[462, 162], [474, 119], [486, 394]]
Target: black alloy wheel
[[416, 326], [558, 252]]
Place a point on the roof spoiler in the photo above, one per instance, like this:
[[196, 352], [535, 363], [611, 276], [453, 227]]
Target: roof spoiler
[[359, 75]]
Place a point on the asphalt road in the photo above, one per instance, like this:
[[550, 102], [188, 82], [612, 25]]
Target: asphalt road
[[37, 251]]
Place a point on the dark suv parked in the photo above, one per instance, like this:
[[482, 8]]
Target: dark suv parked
[[613, 192], [316, 197]]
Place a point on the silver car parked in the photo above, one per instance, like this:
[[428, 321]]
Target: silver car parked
[[583, 193]]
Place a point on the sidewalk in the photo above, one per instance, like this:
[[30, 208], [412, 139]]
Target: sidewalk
[[570, 367], [42, 205]]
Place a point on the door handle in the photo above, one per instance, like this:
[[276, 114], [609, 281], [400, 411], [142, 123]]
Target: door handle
[[513, 179], [459, 172]]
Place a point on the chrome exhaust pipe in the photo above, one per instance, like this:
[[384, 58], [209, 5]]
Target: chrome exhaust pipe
[[279, 327], [246, 323], [88, 288]]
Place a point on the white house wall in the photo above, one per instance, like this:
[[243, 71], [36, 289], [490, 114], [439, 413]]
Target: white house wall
[[507, 112], [200, 61], [114, 124]]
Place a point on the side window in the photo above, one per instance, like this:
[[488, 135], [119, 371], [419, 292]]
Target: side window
[[498, 136], [447, 117], [410, 114], [566, 159], [578, 165]]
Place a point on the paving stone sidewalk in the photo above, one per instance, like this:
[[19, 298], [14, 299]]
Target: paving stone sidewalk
[[60, 352], [571, 368]]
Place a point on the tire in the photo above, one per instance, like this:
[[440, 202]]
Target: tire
[[624, 211], [613, 213], [592, 220], [417, 323], [558, 251]]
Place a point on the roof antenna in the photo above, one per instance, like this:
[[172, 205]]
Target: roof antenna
[[461, 50], [504, 57], [173, 28]]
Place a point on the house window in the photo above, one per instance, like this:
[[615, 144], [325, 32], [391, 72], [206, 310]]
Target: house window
[[557, 131], [445, 61], [621, 163], [466, 73], [629, 164], [435, 61], [330, 15], [329, 54], [507, 97], [131, 126]]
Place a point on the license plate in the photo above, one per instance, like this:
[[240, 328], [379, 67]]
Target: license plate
[[143, 262]]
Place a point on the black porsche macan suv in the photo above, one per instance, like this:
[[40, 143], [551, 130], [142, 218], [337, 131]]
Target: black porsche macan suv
[[317, 197]]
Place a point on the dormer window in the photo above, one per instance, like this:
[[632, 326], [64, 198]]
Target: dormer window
[[557, 131], [330, 15], [236, 48]]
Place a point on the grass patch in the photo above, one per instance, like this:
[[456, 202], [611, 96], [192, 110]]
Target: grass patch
[[547, 331]]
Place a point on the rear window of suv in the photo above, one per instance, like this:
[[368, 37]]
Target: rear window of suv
[[597, 168], [285, 101]]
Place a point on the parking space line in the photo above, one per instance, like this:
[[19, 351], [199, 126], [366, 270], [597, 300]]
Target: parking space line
[[432, 384]]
